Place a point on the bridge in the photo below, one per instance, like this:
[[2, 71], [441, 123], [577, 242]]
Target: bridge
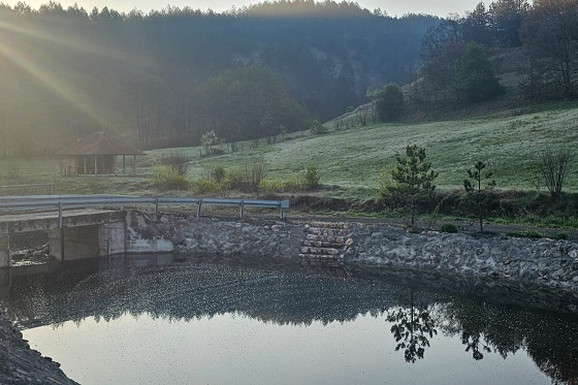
[[84, 226]]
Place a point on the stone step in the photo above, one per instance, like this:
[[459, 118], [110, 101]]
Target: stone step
[[323, 243], [320, 250], [327, 232], [325, 264], [322, 263], [321, 257], [330, 225], [339, 240]]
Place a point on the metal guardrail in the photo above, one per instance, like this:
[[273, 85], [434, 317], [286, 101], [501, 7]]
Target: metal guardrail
[[62, 202]]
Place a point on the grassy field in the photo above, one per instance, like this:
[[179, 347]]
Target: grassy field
[[352, 160]]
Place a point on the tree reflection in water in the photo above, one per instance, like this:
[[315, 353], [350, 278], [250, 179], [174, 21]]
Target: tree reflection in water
[[412, 327], [191, 291]]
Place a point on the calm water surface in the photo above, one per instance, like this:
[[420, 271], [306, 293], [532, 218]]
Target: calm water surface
[[157, 321]]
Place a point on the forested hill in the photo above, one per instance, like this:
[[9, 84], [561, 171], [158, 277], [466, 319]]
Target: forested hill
[[167, 77]]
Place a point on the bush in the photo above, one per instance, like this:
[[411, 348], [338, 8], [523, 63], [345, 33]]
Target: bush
[[177, 162], [272, 185], [165, 178], [208, 140], [218, 174], [449, 228], [247, 179], [318, 128], [293, 183], [390, 103], [312, 177], [205, 186]]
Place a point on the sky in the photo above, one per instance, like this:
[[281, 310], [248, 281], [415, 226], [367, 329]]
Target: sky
[[440, 8]]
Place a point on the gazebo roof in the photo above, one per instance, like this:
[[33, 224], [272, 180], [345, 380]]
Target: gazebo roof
[[102, 143]]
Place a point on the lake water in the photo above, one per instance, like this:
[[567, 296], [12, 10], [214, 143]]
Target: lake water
[[154, 320]]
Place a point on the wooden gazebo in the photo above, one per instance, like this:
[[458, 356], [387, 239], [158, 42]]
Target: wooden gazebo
[[96, 155]]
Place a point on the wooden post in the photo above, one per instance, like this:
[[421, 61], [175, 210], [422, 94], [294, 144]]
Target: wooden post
[[124, 164], [95, 165], [134, 165], [84, 161]]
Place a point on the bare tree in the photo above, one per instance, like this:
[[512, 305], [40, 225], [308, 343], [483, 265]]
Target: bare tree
[[552, 170], [473, 185]]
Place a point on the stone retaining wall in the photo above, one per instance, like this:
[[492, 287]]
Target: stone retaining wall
[[546, 262], [216, 237], [551, 263]]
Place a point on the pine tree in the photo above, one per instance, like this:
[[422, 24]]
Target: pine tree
[[413, 179]]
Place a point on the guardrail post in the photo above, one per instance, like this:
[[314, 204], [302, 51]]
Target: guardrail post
[[60, 214], [61, 227], [283, 205], [157, 207], [242, 210], [199, 208]]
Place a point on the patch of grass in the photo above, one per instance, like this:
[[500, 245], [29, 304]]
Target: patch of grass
[[525, 234]]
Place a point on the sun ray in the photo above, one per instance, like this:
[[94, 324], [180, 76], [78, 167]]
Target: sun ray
[[66, 41], [52, 82]]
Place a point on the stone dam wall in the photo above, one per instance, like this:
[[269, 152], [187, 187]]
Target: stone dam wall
[[544, 262]]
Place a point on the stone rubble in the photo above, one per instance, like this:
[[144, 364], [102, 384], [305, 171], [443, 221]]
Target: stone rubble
[[20, 365]]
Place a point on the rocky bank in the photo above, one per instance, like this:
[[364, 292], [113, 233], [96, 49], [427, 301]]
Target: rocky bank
[[20, 365]]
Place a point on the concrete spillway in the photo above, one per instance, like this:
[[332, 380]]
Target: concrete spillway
[[76, 234]]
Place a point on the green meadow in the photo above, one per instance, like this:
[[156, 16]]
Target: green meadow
[[352, 161]]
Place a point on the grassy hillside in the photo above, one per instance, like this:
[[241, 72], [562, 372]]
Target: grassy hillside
[[352, 160]]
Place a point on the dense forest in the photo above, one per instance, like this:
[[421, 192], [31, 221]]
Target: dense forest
[[533, 47], [169, 76]]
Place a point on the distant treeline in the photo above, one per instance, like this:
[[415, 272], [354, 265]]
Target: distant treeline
[[167, 77], [458, 51]]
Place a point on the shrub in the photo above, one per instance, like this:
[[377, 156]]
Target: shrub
[[218, 174], [205, 186], [272, 185], [390, 103], [561, 236], [318, 128], [165, 178], [312, 177], [247, 179], [449, 228], [553, 169], [208, 140], [175, 161]]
